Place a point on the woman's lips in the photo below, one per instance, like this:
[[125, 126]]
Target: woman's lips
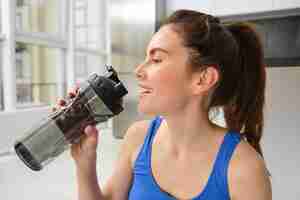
[[143, 90]]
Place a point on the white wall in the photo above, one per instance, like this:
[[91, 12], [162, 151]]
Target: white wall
[[282, 128]]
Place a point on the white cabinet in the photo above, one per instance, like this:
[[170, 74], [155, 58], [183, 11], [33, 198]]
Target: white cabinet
[[284, 4], [199, 5], [231, 7]]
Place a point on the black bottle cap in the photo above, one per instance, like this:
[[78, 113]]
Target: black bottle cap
[[109, 89], [111, 73]]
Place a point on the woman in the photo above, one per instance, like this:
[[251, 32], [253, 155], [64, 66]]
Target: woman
[[193, 65]]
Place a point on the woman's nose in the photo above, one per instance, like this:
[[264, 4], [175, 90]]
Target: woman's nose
[[140, 72]]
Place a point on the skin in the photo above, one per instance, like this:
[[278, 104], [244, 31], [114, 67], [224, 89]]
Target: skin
[[181, 146]]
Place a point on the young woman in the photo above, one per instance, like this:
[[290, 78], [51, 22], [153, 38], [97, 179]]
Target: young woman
[[193, 65]]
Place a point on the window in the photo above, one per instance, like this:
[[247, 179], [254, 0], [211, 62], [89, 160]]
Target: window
[[39, 16], [80, 3], [36, 74], [89, 24], [86, 64], [23, 75], [1, 82], [89, 38], [40, 45], [40, 58], [1, 39], [1, 16], [81, 65], [39, 53]]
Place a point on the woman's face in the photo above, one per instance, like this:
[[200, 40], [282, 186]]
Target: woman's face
[[163, 77]]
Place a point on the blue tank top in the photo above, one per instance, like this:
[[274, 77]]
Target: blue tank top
[[144, 186]]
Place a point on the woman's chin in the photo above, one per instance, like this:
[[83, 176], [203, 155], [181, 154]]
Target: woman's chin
[[142, 109], [146, 110]]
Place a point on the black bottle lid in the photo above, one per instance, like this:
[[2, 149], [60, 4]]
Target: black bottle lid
[[109, 89]]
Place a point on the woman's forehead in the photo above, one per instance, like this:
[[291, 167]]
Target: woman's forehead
[[165, 38]]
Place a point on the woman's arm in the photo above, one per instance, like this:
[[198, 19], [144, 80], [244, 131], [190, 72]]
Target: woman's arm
[[117, 186], [248, 177]]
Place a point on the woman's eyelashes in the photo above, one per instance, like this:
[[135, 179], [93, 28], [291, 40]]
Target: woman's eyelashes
[[152, 60], [156, 60]]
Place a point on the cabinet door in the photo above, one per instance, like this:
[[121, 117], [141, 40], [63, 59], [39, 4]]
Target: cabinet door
[[200, 5], [280, 4], [231, 7]]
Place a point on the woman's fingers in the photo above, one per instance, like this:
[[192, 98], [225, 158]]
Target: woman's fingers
[[59, 104], [92, 136], [62, 102], [90, 131], [87, 146], [73, 92]]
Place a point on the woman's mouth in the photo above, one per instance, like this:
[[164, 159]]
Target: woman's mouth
[[144, 91]]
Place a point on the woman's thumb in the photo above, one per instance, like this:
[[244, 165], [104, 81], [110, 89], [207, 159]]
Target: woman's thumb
[[92, 135]]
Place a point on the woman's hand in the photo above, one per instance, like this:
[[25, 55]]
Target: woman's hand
[[83, 152]]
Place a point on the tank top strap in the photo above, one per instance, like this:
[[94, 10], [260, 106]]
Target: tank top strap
[[145, 151], [230, 142]]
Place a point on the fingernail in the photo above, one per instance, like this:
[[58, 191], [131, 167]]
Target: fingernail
[[72, 94], [62, 102], [88, 130]]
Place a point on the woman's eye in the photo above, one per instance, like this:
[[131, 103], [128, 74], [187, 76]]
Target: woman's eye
[[156, 60]]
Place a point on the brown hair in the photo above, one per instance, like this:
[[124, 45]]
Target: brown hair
[[236, 52]]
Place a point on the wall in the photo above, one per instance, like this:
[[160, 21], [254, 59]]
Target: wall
[[281, 140]]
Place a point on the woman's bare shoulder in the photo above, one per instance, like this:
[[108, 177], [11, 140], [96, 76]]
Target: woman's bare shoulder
[[246, 157], [135, 135], [118, 184], [247, 172]]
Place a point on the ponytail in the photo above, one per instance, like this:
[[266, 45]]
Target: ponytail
[[235, 50], [244, 113]]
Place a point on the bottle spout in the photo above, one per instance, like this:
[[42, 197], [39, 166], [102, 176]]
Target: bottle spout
[[112, 74]]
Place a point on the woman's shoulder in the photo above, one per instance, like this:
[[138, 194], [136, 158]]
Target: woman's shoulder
[[136, 133], [245, 157], [134, 138], [247, 170]]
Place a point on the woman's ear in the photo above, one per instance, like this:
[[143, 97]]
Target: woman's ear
[[204, 80]]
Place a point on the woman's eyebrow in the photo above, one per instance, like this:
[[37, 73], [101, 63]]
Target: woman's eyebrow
[[152, 51]]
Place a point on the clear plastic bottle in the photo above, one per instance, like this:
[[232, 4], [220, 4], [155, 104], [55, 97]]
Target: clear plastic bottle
[[98, 99]]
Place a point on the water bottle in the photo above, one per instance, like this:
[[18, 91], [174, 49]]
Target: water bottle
[[98, 99]]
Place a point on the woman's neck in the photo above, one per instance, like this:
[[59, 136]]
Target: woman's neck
[[189, 131]]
